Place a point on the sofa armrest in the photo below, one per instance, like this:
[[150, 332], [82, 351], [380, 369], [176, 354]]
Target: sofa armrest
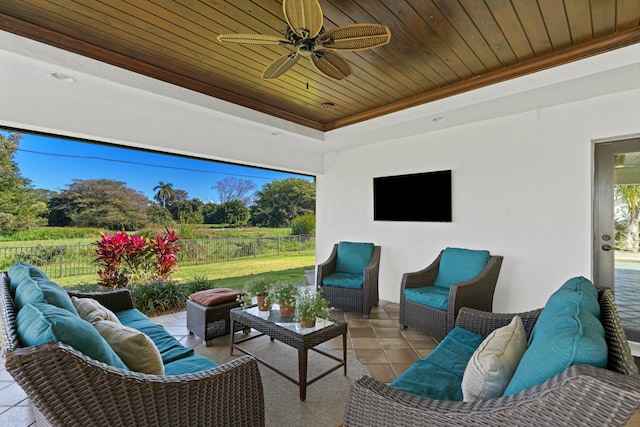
[[116, 300], [484, 322], [70, 389], [581, 395]]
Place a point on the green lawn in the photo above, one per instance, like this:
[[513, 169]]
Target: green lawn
[[232, 274]]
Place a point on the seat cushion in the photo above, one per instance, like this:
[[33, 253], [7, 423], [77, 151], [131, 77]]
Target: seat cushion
[[170, 348], [353, 257], [211, 297], [439, 375], [189, 365], [344, 280], [38, 290], [493, 363], [135, 349], [42, 323], [20, 271], [460, 265], [567, 333], [92, 311], [433, 296]]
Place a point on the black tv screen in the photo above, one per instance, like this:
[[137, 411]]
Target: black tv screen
[[415, 197]]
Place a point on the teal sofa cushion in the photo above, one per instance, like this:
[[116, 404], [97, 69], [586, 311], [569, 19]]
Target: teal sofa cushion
[[170, 348], [344, 280], [567, 332], [353, 257], [42, 323], [433, 296], [439, 375], [189, 365], [21, 271], [39, 290], [460, 265]]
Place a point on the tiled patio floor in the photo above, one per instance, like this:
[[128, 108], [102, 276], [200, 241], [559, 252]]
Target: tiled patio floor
[[377, 342]]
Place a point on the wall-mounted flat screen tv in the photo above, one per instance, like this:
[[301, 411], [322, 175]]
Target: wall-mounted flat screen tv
[[415, 197]]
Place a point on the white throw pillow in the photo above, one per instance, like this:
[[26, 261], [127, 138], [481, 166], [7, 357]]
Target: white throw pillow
[[92, 311], [493, 363], [135, 349]]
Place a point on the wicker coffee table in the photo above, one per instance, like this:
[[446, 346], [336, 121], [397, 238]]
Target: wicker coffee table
[[289, 332]]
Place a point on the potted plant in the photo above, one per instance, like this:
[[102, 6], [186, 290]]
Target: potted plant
[[311, 306], [260, 289], [285, 295]]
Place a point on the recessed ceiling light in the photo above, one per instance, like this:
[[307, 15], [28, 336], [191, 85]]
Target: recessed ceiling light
[[276, 133], [63, 77], [439, 119], [327, 105]]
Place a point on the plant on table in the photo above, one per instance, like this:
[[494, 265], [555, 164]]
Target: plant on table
[[258, 288], [285, 295], [311, 305]]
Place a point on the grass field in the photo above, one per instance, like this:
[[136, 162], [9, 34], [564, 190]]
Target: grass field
[[232, 274]]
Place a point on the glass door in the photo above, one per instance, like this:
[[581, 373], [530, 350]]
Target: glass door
[[617, 228]]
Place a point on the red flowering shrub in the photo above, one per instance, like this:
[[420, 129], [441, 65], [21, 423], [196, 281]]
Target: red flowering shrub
[[125, 258]]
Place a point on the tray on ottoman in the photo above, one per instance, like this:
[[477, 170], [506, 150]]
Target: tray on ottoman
[[210, 321]]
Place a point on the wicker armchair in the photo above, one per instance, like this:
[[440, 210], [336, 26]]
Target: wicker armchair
[[67, 388], [476, 293], [347, 299], [582, 395]]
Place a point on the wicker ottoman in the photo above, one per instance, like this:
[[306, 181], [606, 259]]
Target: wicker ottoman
[[211, 319]]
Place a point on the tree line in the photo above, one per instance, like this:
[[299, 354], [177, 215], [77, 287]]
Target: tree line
[[111, 204]]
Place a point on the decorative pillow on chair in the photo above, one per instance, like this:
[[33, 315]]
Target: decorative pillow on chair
[[135, 349], [92, 311], [38, 290], [43, 323], [492, 365], [21, 271], [460, 265]]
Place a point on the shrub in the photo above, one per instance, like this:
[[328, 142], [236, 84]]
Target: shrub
[[129, 258], [305, 224]]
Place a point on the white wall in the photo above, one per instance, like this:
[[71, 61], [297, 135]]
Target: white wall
[[521, 188]]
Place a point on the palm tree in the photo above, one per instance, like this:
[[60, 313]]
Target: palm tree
[[165, 192], [630, 196]]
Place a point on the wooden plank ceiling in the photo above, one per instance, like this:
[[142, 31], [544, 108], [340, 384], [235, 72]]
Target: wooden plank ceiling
[[438, 48]]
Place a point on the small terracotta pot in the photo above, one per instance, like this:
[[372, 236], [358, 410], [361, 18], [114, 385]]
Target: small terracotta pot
[[263, 305], [286, 310], [308, 323]]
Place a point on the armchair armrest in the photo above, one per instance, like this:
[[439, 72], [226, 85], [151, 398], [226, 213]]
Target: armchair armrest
[[580, 395], [478, 292], [327, 267], [418, 279]]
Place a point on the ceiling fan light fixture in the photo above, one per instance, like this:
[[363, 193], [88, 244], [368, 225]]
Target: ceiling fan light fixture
[[327, 105]]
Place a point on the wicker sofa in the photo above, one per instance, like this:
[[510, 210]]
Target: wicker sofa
[[582, 394], [68, 388]]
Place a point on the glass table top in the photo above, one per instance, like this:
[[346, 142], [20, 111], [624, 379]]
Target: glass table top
[[291, 323]]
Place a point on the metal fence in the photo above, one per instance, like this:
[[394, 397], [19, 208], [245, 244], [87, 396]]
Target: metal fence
[[73, 260]]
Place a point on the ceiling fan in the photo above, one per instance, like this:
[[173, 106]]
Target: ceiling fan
[[305, 33]]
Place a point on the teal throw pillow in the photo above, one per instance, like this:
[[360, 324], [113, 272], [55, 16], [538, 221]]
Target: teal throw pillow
[[43, 323], [566, 333], [39, 290], [353, 257], [21, 271], [460, 265]]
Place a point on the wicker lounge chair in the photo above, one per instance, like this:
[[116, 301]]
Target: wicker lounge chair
[[476, 293], [67, 388], [360, 300], [582, 395]]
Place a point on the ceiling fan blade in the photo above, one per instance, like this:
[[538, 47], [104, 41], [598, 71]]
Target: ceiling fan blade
[[280, 66], [303, 16], [356, 37], [331, 64], [257, 39]]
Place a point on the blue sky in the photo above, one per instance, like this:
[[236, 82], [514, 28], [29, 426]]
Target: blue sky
[[52, 164]]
